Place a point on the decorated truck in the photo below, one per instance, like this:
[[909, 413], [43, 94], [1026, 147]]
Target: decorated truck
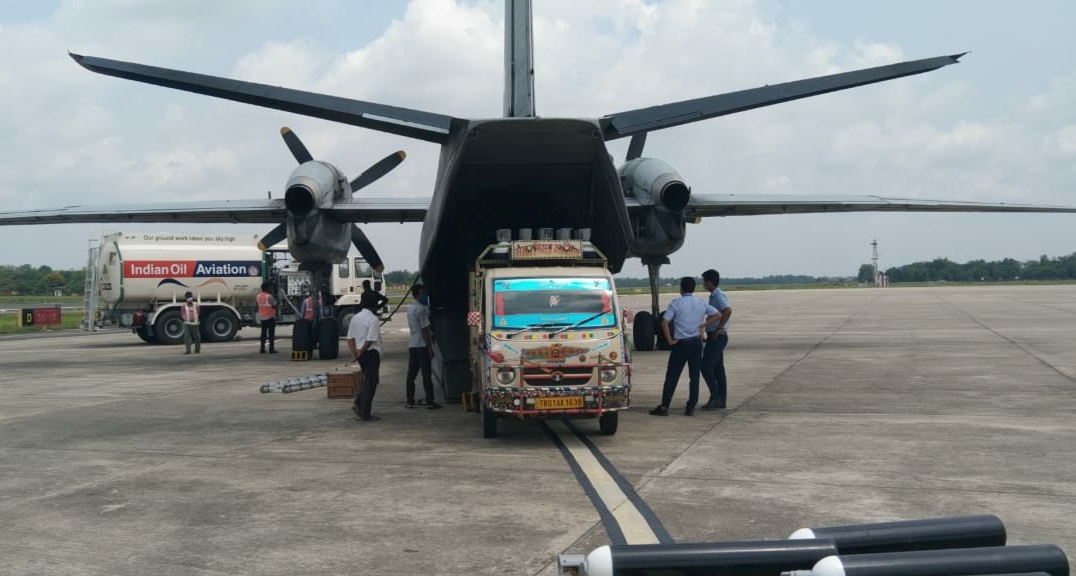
[[142, 278], [547, 341]]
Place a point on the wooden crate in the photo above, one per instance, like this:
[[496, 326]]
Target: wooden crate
[[344, 382]]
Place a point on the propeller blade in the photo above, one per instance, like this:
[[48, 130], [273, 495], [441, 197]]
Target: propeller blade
[[362, 243], [635, 148], [273, 237], [384, 166], [299, 151]]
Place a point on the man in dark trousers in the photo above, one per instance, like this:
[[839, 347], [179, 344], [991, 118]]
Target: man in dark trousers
[[382, 300], [267, 318], [717, 337], [688, 316], [419, 349], [364, 341]]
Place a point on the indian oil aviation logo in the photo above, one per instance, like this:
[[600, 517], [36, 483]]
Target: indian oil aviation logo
[[191, 268]]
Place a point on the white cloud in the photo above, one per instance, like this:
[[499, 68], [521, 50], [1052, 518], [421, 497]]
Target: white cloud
[[80, 137]]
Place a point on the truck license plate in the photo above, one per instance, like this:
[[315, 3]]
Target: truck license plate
[[565, 403]]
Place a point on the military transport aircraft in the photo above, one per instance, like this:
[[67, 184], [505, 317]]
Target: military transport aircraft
[[518, 171]]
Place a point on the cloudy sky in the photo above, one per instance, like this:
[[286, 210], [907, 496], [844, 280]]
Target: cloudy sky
[[999, 127]]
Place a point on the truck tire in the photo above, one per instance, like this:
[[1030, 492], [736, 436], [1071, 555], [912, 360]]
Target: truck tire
[[489, 422], [220, 326], [302, 336], [659, 335], [643, 331], [607, 423], [343, 319], [143, 333], [328, 339], [169, 328]]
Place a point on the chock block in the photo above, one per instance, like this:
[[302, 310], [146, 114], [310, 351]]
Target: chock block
[[300, 355]]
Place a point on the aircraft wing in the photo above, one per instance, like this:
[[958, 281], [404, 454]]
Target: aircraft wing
[[244, 211], [643, 120], [392, 119], [702, 205]]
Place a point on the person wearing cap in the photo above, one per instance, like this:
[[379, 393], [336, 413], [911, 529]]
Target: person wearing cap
[[717, 337], [682, 324], [191, 313], [364, 341]]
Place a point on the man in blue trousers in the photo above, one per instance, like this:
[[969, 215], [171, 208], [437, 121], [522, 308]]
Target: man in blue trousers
[[688, 317], [717, 337]]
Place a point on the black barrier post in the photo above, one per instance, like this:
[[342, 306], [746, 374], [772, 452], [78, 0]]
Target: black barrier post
[[930, 534], [960, 562], [748, 558]]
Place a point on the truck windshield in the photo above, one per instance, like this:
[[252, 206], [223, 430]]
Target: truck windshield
[[552, 303], [362, 269]]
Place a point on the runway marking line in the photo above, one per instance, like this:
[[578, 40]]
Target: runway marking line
[[625, 516]]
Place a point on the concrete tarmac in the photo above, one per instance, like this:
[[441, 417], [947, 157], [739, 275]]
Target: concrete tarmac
[[846, 406]]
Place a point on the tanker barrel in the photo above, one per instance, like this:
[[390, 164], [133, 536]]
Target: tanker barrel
[[955, 562], [929, 534], [748, 558]]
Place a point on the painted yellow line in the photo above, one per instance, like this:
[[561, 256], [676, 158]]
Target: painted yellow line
[[632, 523]]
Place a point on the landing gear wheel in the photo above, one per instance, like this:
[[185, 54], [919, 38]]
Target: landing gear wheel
[[169, 328], [220, 326], [607, 423], [143, 333], [328, 339], [489, 422], [643, 331], [662, 343], [302, 336]]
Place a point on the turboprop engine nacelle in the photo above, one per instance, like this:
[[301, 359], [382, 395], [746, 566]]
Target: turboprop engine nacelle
[[652, 181], [312, 235], [660, 228]]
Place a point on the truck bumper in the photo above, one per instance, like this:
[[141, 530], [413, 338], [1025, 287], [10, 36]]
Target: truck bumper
[[559, 402]]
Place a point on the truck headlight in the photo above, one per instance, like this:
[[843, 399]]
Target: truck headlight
[[608, 373], [506, 375]]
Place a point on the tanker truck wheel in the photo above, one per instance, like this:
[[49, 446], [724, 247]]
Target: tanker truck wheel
[[220, 326], [169, 328], [328, 339], [343, 320], [143, 333]]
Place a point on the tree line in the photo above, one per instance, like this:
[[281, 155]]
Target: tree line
[[1007, 270], [43, 280]]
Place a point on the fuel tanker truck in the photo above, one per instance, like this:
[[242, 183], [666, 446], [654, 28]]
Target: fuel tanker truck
[[142, 279]]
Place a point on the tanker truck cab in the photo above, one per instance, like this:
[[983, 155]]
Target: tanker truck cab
[[548, 342]]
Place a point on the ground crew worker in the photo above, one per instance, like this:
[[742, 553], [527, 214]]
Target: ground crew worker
[[419, 349], [717, 337], [688, 316], [381, 299], [267, 318], [191, 313], [364, 341], [307, 308]]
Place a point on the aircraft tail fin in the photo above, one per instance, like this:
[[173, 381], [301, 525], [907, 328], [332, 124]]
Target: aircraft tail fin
[[518, 60]]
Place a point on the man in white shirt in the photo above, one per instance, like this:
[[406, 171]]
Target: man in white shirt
[[364, 340], [419, 349]]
